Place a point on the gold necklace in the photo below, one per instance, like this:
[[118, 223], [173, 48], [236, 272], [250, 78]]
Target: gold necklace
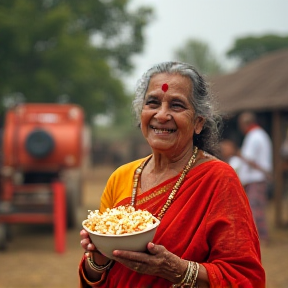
[[175, 189]]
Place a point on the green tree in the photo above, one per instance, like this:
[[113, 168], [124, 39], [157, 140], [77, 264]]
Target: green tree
[[199, 54], [69, 49], [249, 48]]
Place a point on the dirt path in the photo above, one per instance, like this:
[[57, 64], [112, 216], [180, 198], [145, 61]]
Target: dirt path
[[30, 260]]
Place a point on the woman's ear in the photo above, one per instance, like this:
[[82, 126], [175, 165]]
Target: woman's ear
[[199, 123]]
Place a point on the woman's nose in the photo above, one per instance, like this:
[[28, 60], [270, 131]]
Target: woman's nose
[[163, 114]]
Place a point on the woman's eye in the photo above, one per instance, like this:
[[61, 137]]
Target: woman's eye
[[152, 103], [178, 105]]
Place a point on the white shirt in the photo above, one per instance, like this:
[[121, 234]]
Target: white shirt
[[235, 162], [256, 147]]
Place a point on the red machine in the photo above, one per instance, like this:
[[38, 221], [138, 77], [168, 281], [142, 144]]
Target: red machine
[[40, 141]]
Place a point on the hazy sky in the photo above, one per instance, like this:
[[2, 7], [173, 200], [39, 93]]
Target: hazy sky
[[216, 22]]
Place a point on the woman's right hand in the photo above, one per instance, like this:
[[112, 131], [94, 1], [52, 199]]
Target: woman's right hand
[[86, 242], [88, 246]]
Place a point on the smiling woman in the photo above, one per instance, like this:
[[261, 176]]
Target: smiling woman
[[168, 119], [206, 237]]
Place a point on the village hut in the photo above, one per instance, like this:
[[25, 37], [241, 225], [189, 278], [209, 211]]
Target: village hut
[[262, 87]]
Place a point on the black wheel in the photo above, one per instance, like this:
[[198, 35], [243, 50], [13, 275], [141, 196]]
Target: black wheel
[[39, 143]]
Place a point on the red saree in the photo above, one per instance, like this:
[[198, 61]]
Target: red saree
[[209, 222]]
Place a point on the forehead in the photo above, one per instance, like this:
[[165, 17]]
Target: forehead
[[176, 83]]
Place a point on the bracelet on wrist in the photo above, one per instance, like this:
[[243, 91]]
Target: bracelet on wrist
[[190, 277], [97, 268]]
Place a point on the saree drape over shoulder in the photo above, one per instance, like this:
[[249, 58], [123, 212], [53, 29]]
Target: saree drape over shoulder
[[209, 222]]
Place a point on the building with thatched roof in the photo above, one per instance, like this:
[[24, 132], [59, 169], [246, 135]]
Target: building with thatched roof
[[262, 87]]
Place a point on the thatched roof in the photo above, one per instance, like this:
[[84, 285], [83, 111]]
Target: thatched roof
[[261, 85]]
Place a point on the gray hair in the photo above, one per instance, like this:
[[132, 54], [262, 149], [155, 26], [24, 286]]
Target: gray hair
[[201, 99]]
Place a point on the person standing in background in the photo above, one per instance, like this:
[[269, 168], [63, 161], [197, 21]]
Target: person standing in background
[[229, 153], [256, 169]]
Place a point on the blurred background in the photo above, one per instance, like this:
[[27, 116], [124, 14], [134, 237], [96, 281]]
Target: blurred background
[[67, 76]]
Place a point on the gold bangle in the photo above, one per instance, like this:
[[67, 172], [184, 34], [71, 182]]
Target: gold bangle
[[195, 274], [95, 267], [190, 278], [186, 276]]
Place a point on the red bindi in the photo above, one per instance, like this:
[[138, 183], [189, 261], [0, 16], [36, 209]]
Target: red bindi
[[165, 87]]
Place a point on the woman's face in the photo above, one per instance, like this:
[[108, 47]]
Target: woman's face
[[168, 119]]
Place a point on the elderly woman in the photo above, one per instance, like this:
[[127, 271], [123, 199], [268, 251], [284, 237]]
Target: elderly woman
[[207, 237]]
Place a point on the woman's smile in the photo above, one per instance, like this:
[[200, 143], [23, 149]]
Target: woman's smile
[[162, 131]]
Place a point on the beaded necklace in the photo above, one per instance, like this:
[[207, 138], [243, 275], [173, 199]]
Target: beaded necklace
[[175, 189]]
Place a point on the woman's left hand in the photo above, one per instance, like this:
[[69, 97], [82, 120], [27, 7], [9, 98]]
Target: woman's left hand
[[158, 261]]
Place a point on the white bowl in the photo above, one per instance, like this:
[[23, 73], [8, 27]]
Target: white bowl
[[136, 241]]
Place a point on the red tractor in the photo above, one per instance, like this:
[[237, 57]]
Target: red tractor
[[41, 142]]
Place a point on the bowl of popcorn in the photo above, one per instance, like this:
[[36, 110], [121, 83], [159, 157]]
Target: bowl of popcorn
[[120, 228]]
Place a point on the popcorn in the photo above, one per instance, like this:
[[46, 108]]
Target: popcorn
[[119, 220]]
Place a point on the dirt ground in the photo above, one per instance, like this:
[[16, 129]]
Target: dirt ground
[[30, 260]]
